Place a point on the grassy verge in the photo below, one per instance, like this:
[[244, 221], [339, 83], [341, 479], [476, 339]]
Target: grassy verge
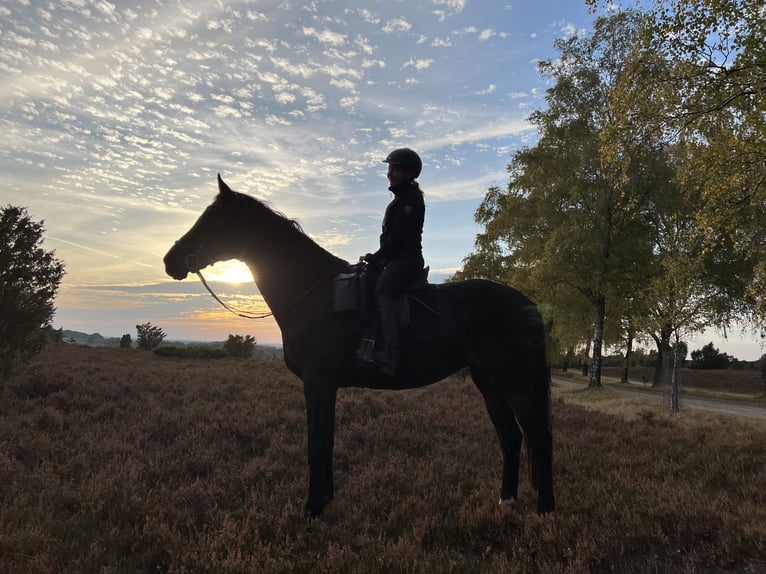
[[121, 461], [719, 384]]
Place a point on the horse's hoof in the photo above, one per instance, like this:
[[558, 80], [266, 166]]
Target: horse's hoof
[[312, 512], [546, 508], [508, 502]]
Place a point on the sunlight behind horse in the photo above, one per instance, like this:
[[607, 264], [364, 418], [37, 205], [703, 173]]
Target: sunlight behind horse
[[232, 271]]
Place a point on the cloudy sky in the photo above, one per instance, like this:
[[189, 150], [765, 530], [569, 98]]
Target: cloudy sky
[[116, 116]]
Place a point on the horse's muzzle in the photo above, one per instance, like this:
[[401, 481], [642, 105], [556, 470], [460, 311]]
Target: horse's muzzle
[[176, 264]]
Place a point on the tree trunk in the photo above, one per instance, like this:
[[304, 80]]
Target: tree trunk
[[664, 357], [598, 340], [585, 357], [626, 360]]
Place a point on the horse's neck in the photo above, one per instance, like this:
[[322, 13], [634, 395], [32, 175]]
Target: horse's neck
[[288, 269]]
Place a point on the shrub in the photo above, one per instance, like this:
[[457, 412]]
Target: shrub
[[709, 357], [149, 336], [239, 346], [29, 280]]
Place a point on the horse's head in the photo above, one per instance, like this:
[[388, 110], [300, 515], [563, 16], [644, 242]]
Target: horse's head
[[212, 238]]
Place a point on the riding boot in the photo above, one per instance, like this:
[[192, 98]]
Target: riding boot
[[387, 358]]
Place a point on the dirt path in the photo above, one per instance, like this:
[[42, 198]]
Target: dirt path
[[712, 405]]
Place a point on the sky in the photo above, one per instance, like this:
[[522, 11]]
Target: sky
[[116, 116]]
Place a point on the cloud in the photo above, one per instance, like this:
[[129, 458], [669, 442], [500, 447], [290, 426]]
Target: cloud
[[569, 30], [325, 36], [367, 16], [397, 25], [453, 5], [488, 90], [116, 119], [485, 35], [419, 65]]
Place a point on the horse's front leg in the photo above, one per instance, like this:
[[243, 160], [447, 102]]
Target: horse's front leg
[[320, 416]]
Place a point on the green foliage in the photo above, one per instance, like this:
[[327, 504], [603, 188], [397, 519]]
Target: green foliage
[[126, 342], [698, 81], [239, 346], [639, 212], [709, 357], [568, 232], [638, 358], [29, 279], [190, 352], [149, 336], [55, 335]]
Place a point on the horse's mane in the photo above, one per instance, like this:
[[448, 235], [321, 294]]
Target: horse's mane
[[276, 216], [280, 220]]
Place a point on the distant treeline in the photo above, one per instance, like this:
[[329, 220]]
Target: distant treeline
[[188, 349]]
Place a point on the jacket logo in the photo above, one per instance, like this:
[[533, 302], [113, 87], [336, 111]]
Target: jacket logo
[[407, 209]]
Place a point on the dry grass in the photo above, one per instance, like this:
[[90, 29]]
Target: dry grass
[[119, 461], [745, 382]]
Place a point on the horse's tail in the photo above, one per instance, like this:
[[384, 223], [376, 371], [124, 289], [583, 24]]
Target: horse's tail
[[543, 402], [541, 399]]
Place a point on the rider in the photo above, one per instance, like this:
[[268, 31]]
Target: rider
[[400, 256]]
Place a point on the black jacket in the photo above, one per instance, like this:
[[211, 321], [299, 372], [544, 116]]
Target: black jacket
[[402, 234]]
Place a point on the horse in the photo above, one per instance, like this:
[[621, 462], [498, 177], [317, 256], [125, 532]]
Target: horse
[[490, 328]]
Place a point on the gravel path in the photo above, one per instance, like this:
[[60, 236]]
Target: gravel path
[[712, 405]]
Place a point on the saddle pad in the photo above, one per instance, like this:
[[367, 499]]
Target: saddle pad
[[345, 296]]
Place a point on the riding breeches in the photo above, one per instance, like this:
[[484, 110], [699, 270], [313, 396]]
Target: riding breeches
[[397, 276]]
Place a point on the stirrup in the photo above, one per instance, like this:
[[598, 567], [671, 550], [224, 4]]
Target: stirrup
[[366, 346]]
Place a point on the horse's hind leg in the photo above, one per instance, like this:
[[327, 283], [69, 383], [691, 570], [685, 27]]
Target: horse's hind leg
[[508, 432], [532, 409]]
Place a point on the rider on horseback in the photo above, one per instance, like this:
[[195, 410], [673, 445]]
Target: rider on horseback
[[400, 256]]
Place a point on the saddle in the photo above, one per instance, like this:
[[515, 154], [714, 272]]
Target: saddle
[[353, 289]]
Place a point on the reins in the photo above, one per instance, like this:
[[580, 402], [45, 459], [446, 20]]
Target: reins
[[230, 308], [250, 314]]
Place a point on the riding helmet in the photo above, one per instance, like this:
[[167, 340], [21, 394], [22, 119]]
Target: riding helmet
[[406, 158]]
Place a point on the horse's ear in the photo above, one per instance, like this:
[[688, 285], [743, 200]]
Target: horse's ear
[[223, 189]]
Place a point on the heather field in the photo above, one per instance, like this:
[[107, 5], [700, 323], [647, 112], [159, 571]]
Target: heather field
[[121, 461], [721, 382]]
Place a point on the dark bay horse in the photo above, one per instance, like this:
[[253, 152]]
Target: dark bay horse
[[488, 327]]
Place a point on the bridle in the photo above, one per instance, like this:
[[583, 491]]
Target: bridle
[[191, 265], [239, 312]]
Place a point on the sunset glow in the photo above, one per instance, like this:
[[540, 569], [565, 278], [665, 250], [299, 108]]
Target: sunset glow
[[117, 116], [233, 271]]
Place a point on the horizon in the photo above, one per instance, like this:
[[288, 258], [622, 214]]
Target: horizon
[[615, 352]]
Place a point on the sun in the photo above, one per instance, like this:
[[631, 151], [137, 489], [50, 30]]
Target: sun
[[229, 272]]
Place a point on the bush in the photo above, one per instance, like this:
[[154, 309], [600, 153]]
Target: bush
[[239, 346], [709, 357], [29, 280], [149, 336], [126, 342]]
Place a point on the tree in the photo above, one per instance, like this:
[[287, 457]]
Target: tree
[[707, 92], [685, 290], [566, 229], [149, 336], [126, 342], [239, 346], [709, 357], [29, 280], [710, 241]]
